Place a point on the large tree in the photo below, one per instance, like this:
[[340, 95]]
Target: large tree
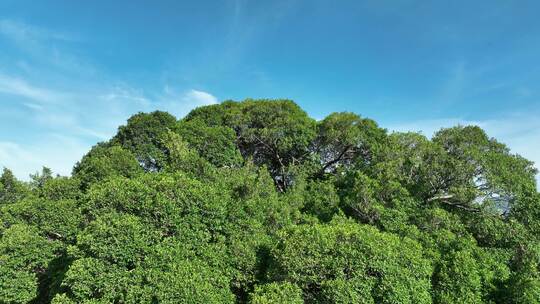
[[256, 202]]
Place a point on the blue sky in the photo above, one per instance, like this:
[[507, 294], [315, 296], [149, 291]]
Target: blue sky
[[72, 71]]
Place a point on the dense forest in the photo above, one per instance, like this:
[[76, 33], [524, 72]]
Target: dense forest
[[256, 202]]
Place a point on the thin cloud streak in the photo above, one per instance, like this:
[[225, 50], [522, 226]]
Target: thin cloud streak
[[24, 33], [18, 87]]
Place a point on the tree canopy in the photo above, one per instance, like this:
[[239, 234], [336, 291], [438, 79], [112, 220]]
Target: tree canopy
[[256, 202]]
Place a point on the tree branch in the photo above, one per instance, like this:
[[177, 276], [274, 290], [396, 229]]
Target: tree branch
[[337, 159], [445, 199]]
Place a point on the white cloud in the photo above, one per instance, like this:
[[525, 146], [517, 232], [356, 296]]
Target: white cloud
[[200, 97], [180, 103], [18, 87], [129, 95], [33, 106]]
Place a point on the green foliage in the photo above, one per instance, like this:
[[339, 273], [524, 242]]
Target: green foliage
[[457, 279], [39, 179], [482, 166], [142, 136], [216, 144], [119, 239], [24, 257], [180, 158], [382, 266], [175, 276], [526, 210], [525, 280], [346, 291], [321, 199], [60, 188], [11, 190], [256, 202], [103, 162], [283, 292], [212, 115], [55, 219], [275, 133], [345, 138]]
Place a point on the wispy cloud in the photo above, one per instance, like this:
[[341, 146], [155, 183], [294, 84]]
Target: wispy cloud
[[79, 122], [200, 97], [25, 33], [452, 89], [177, 102], [180, 103], [66, 105], [19, 87], [39, 47]]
